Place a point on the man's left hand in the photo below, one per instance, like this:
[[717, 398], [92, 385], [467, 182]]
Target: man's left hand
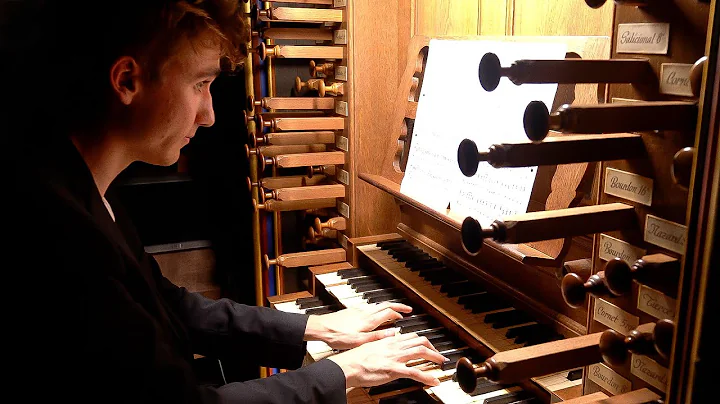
[[353, 327]]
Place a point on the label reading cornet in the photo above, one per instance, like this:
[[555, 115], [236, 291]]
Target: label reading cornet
[[675, 79], [610, 247], [666, 234], [608, 379], [646, 38], [628, 186], [614, 317], [649, 371], [655, 303], [341, 73]]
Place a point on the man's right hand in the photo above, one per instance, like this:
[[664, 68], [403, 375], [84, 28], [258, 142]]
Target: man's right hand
[[383, 361]]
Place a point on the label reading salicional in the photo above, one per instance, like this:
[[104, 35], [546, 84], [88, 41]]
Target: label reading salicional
[[646, 38]]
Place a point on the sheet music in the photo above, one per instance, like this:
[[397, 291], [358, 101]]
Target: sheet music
[[453, 106]]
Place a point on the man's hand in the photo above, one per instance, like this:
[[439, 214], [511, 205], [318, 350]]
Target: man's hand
[[352, 327], [383, 361]]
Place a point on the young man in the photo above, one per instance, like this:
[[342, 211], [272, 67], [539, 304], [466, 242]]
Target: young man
[[94, 319]]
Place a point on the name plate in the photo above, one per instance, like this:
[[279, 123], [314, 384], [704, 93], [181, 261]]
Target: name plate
[[339, 3], [666, 234], [341, 108], [342, 143], [649, 371], [647, 38], [340, 37], [675, 79], [608, 379], [343, 176], [614, 317], [343, 240], [628, 186], [341, 73], [610, 247], [656, 303], [343, 209]]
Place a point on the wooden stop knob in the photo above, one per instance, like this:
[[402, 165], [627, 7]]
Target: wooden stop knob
[[466, 375], [696, 73], [612, 347], [618, 277], [681, 169], [663, 337]]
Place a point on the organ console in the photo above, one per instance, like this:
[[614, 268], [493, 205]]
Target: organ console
[[590, 294]]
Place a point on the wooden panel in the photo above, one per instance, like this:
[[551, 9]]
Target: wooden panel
[[192, 269], [440, 18], [494, 17], [561, 17]]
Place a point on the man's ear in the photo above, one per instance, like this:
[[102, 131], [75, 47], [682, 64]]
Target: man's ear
[[125, 79]]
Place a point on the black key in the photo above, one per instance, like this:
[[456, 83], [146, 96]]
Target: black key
[[468, 299], [414, 264], [402, 249], [445, 345], [485, 386], [424, 264], [434, 336], [379, 293], [543, 331], [352, 273], [470, 354], [365, 287], [311, 303], [522, 330], [306, 299], [383, 298], [486, 303], [543, 338], [384, 245], [429, 272], [509, 318], [410, 256], [509, 398], [412, 319], [394, 385], [362, 279], [574, 374], [323, 310], [461, 288], [441, 279]]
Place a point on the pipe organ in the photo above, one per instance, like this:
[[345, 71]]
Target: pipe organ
[[594, 291]]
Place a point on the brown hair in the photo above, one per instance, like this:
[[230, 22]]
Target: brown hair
[[61, 51]]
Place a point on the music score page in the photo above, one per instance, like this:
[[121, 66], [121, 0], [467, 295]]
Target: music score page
[[453, 106]]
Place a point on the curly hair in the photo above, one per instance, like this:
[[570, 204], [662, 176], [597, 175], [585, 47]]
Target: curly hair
[[59, 52]]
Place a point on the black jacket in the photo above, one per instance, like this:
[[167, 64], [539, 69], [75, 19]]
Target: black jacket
[[91, 318]]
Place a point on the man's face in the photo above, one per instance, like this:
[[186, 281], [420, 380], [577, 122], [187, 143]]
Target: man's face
[[169, 109]]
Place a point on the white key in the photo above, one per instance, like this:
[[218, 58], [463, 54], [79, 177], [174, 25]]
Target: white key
[[289, 307]]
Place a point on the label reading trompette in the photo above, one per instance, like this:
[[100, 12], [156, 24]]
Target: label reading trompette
[[614, 317], [608, 379], [628, 186], [610, 247]]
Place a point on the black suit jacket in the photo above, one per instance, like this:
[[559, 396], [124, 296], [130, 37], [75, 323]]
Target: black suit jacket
[[92, 319]]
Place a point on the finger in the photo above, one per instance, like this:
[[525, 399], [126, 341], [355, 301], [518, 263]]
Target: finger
[[419, 341], [377, 335], [383, 316], [399, 307], [420, 352], [418, 375]]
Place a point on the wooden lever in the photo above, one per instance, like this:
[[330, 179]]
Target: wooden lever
[[303, 159], [549, 225], [307, 258], [294, 138], [658, 271], [552, 151], [272, 151], [306, 193], [336, 223], [566, 71], [300, 52], [609, 118], [521, 364], [334, 89], [323, 2], [581, 267], [322, 170], [302, 123], [307, 34], [300, 14], [286, 206], [616, 347], [285, 181], [294, 103], [640, 396], [635, 3], [327, 68], [575, 290], [325, 233], [681, 169]]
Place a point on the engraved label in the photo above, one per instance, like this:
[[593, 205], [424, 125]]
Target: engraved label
[[666, 234], [614, 317], [606, 378], [675, 79], [610, 247], [339, 3], [649, 38], [341, 73], [656, 303], [343, 176], [340, 37], [341, 108], [342, 143], [344, 209], [649, 371], [628, 186]]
